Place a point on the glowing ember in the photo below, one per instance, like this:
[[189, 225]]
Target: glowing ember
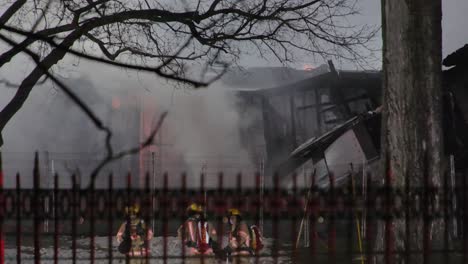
[[308, 67], [116, 102]]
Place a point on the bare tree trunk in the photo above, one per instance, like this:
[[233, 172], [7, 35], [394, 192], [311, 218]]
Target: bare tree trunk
[[412, 132], [411, 124], [11, 11], [30, 81]]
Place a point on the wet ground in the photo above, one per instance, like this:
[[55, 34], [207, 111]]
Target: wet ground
[[282, 255], [174, 252]]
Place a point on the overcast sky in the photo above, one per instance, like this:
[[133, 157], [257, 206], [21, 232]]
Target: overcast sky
[[454, 27], [455, 35]]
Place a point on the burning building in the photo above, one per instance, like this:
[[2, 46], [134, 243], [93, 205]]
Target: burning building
[[300, 112], [327, 122]]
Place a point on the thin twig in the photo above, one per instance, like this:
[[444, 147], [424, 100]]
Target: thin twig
[[97, 122]]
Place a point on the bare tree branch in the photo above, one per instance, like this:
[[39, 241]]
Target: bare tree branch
[[173, 41], [11, 11], [82, 105], [97, 122], [10, 84], [110, 158]]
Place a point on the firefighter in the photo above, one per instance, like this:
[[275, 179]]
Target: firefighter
[[198, 235], [239, 235], [134, 235]]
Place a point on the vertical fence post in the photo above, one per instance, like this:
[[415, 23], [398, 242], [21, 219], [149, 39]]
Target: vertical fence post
[[153, 188], [357, 213], [220, 209], [127, 216], [75, 207], [446, 202], [239, 204], [182, 215], [307, 184], [2, 206], [56, 218], [276, 218], [370, 219], [19, 205], [389, 225], [453, 195], [262, 192], [313, 216], [331, 221], [165, 216], [110, 212], [202, 198], [147, 206], [239, 200], [427, 214], [202, 195], [293, 207], [349, 215], [259, 206], [36, 210], [464, 195], [407, 221], [364, 197], [91, 204], [47, 186]]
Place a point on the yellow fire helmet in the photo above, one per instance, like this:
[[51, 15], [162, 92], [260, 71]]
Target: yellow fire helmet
[[195, 208], [234, 211], [133, 209]]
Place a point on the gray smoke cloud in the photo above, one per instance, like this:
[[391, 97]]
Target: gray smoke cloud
[[200, 134]]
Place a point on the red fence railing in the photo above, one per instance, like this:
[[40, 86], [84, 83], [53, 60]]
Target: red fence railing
[[339, 224]]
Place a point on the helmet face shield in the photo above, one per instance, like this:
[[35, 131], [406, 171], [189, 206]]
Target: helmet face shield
[[233, 216], [195, 208], [133, 210], [234, 212]]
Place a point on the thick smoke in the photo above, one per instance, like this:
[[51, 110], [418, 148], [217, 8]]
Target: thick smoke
[[200, 134]]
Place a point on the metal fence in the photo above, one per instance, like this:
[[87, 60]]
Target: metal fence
[[351, 223]]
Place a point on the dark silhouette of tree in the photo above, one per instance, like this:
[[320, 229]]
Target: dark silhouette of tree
[[412, 124], [191, 42]]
